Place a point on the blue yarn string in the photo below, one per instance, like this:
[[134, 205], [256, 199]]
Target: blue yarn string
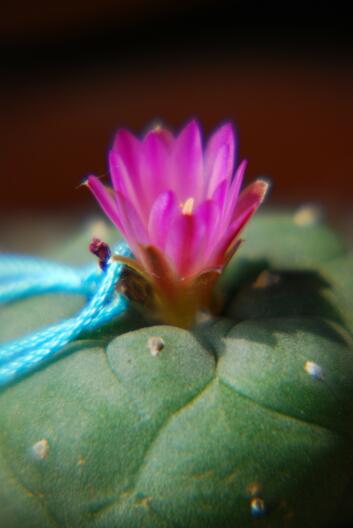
[[21, 277]]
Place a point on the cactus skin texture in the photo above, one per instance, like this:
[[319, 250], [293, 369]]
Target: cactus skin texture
[[244, 421]]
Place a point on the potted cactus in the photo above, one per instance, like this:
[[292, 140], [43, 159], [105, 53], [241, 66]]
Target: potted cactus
[[223, 396]]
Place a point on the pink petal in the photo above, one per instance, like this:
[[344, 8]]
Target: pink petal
[[183, 244], [250, 200], [163, 212], [127, 166], [105, 198], [127, 183], [251, 197], [157, 146], [163, 135], [118, 172], [239, 223], [231, 234], [219, 157], [234, 190], [219, 170], [133, 229], [220, 195], [128, 147], [187, 164], [207, 217]]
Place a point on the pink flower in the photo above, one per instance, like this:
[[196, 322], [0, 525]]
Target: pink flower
[[180, 209]]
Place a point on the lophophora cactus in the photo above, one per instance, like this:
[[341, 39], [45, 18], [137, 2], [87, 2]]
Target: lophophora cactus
[[245, 420]]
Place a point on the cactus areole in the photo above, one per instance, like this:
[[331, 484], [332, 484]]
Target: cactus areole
[[224, 396]]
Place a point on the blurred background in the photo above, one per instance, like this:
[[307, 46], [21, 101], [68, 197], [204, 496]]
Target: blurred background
[[75, 71]]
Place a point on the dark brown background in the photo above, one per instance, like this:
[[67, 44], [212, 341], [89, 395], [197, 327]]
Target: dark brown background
[[74, 72]]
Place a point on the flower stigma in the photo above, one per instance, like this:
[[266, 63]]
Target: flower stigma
[[188, 206]]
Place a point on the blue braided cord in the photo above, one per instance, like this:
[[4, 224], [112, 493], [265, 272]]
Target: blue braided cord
[[32, 276], [23, 355], [17, 266], [36, 285], [68, 280], [108, 281]]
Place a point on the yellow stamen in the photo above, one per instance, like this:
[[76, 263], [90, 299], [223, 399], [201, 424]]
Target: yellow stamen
[[188, 206]]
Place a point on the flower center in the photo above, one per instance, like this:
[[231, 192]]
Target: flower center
[[188, 206]]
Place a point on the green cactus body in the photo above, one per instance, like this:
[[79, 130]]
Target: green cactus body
[[246, 420]]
